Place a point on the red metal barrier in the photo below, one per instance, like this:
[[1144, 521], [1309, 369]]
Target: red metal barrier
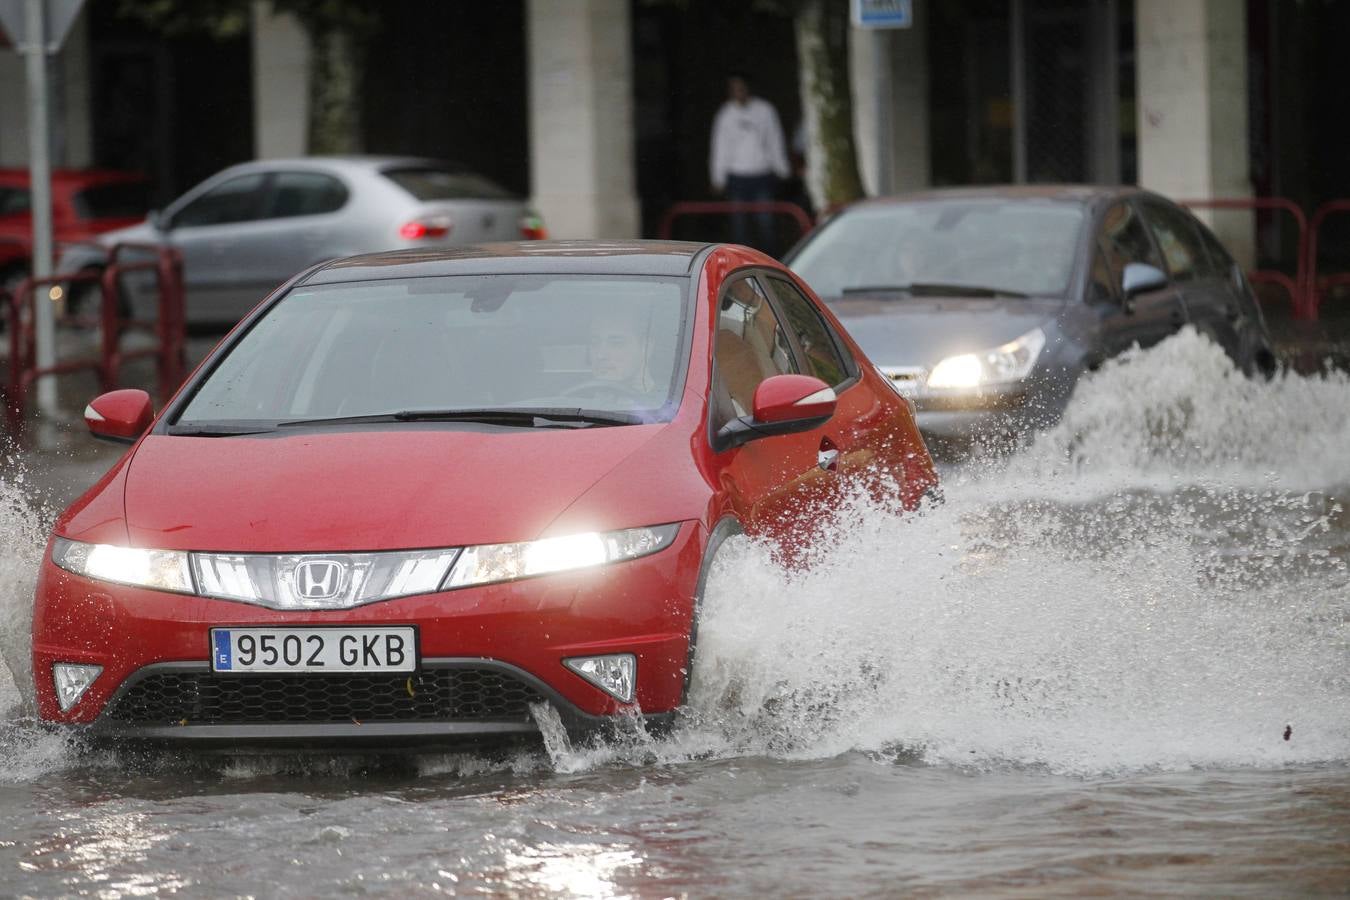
[[729, 207], [1317, 285], [1298, 286], [169, 327]]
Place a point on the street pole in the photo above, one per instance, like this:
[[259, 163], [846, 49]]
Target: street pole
[[40, 194]]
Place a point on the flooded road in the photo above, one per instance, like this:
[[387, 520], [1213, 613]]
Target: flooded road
[[1117, 662]]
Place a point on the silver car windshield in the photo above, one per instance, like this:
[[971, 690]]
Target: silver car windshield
[[1017, 247], [413, 348]]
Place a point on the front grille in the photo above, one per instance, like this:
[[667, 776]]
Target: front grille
[[433, 695]]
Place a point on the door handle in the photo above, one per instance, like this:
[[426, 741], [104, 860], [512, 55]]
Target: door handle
[[827, 458]]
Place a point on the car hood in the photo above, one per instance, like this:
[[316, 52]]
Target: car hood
[[920, 331], [419, 486]]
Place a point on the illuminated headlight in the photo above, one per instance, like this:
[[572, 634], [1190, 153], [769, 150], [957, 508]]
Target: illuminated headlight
[[1009, 363], [162, 570], [487, 563], [344, 580]]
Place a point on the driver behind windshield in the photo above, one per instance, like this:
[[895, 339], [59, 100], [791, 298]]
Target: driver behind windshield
[[619, 349]]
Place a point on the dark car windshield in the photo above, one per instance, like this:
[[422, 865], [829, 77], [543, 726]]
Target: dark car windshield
[[485, 345], [446, 183], [1007, 247]]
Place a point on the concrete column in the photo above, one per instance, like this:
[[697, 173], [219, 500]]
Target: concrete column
[[889, 71], [582, 170], [1191, 64], [280, 84]]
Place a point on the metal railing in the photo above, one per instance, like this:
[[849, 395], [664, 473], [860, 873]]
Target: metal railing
[[19, 306]]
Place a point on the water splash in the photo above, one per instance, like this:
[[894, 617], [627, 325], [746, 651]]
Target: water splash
[[1158, 582], [22, 539]]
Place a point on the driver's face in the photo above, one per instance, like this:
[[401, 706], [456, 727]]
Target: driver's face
[[616, 351]]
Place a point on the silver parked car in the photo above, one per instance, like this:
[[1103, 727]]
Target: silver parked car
[[250, 227]]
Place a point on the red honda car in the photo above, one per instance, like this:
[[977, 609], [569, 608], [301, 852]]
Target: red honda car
[[414, 494]]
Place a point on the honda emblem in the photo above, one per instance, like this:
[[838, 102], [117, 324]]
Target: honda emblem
[[319, 579]]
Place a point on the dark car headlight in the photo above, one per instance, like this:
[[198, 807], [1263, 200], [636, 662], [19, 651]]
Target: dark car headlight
[[1007, 364]]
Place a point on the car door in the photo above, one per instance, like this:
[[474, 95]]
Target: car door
[[850, 441], [1147, 317], [1210, 304], [209, 229], [297, 225], [772, 482]]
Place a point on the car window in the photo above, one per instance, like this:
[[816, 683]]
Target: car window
[[1123, 239], [120, 200], [1101, 282], [1177, 238], [824, 355], [446, 183], [235, 200], [1220, 262], [14, 201], [303, 194], [606, 343], [1027, 247], [751, 345]]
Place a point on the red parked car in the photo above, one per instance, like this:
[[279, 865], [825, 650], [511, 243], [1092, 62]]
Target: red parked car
[[85, 203], [414, 494]]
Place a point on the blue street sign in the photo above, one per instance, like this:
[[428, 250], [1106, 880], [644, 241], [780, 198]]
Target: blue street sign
[[883, 13]]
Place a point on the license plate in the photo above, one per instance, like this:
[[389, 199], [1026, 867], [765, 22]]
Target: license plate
[[391, 649]]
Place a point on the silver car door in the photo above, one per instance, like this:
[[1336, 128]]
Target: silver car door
[[208, 230], [301, 212]]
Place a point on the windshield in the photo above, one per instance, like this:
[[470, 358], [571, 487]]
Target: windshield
[[1018, 247], [485, 342]]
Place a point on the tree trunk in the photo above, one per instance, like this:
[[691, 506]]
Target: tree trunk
[[335, 76], [827, 100]]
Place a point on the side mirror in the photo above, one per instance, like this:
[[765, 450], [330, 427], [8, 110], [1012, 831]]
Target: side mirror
[[120, 416], [783, 404], [1140, 278], [157, 220]]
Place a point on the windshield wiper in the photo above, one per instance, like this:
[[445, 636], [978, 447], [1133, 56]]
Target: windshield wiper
[[222, 429], [544, 417], [936, 289], [878, 289]]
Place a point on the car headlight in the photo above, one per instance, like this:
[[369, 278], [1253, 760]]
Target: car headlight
[[487, 563], [344, 580], [1009, 363], [162, 570]]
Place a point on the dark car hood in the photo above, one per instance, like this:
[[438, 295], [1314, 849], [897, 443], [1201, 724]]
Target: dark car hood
[[919, 331], [364, 489]]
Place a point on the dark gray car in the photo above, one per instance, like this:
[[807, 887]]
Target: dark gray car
[[985, 305]]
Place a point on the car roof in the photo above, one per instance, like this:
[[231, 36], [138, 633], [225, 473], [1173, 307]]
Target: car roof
[[350, 163], [1078, 193], [628, 257]]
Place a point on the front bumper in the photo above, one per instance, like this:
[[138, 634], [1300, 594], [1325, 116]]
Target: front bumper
[[522, 631]]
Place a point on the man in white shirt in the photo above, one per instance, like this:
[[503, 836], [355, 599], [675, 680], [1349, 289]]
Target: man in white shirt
[[747, 156]]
